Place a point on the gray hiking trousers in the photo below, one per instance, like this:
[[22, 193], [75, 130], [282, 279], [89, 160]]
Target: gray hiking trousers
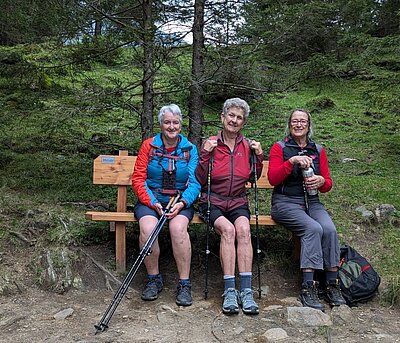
[[318, 237]]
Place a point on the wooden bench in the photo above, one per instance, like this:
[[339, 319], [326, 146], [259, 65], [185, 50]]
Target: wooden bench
[[117, 170]]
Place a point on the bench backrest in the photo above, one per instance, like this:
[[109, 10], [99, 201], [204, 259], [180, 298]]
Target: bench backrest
[[117, 170]]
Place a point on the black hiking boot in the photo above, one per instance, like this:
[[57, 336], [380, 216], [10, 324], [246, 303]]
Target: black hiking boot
[[184, 294], [333, 294], [153, 287], [309, 295]]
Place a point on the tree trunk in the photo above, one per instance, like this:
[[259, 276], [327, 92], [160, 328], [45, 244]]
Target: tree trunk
[[196, 88], [148, 70]]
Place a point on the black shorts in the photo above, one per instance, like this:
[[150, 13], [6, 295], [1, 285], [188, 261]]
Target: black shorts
[[231, 215], [140, 210]]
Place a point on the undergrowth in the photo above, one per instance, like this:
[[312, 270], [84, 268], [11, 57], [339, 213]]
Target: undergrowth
[[55, 124]]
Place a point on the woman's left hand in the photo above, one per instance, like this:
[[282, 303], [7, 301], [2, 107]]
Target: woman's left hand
[[256, 146], [179, 206], [314, 182]]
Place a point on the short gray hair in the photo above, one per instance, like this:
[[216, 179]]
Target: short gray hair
[[236, 102], [310, 124], [172, 108]]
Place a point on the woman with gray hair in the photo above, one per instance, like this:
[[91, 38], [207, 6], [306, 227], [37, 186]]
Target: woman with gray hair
[[228, 157], [165, 167], [296, 205]]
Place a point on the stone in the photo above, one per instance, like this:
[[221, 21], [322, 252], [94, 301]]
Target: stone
[[307, 316]]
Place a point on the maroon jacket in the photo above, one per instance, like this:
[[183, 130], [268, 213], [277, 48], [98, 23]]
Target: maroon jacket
[[230, 172]]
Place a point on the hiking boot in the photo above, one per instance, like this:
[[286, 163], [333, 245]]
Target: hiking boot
[[153, 287], [309, 295], [184, 294], [230, 305], [333, 294], [249, 306]]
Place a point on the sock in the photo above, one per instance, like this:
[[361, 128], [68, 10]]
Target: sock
[[308, 276], [229, 281], [155, 276], [331, 276], [245, 280], [184, 281]]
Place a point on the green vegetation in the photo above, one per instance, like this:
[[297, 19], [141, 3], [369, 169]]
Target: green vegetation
[[54, 121]]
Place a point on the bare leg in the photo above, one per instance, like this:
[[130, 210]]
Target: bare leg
[[227, 250], [244, 246], [181, 246], [147, 224]]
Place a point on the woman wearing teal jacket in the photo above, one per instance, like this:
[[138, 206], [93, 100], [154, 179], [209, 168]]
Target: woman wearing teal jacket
[[165, 166]]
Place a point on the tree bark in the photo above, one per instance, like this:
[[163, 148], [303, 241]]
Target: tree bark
[[148, 70], [196, 89]]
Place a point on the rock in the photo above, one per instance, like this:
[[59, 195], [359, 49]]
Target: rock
[[348, 160], [63, 314], [275, 335], [264, 290], [56, 270], [383, 212], [238, 330], [365, 213], [273, 308], [307, 316], [292, 301], [342, 314]]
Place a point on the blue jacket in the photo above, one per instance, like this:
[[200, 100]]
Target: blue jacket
[[147, 179]]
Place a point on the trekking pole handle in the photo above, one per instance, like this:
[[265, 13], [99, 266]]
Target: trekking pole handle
[[172, 201]]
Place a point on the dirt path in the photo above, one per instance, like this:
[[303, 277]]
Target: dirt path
[[29, 316]]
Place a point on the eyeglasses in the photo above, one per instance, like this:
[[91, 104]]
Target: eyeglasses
[[302, 122]]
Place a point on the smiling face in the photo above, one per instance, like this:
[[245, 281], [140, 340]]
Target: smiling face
[[299, 125], [170, 126], [233, 121]]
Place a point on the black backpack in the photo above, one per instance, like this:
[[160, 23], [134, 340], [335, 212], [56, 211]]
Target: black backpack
[[358, 280]]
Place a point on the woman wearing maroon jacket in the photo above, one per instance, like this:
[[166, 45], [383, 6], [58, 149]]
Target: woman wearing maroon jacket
[[229, 154], [296, 205]]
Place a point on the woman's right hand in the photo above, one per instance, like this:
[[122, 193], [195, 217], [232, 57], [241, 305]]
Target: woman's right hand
[[210, 144], [302, 160], [158, 207]]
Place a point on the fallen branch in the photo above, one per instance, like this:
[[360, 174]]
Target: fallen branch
[[103, 269], [21, 237]]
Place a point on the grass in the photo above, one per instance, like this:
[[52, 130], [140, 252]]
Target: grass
[[51, 135]]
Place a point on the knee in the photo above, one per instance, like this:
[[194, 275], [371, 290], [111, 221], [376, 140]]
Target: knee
[[330, 231], [178, 233], [313, 230], [243, 233], [228, 233]]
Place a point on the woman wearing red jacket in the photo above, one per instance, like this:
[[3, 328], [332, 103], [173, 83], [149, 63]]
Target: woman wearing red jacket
[[230, 155], [296, 205]]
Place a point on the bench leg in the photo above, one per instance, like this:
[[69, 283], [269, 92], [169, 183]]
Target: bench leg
[[120, 246], [296, 248]]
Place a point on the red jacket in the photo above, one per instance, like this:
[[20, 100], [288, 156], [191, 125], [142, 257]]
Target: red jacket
[[230, 173], [280, 169]]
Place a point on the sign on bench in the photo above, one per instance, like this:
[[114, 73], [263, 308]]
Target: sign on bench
[[117, 171]]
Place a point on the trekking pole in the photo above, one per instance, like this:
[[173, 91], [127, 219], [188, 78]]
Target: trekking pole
[[306, 204], [210, 163], [145, 251], [254, 162]]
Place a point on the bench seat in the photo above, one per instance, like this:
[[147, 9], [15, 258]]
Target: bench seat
[[263, 220]]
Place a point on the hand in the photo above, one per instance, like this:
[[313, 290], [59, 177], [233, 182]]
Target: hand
[[158, 207], [256, 146], [210, 144], [302, 160], [314, 182], [179, 206]]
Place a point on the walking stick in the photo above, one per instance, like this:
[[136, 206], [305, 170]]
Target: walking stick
[[254, 162], [145, 251], [210, 163]]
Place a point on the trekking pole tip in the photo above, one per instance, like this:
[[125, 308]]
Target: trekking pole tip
[[101, 327]]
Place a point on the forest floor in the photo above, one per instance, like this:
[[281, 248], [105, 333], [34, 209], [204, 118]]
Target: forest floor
[[28, 314]]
